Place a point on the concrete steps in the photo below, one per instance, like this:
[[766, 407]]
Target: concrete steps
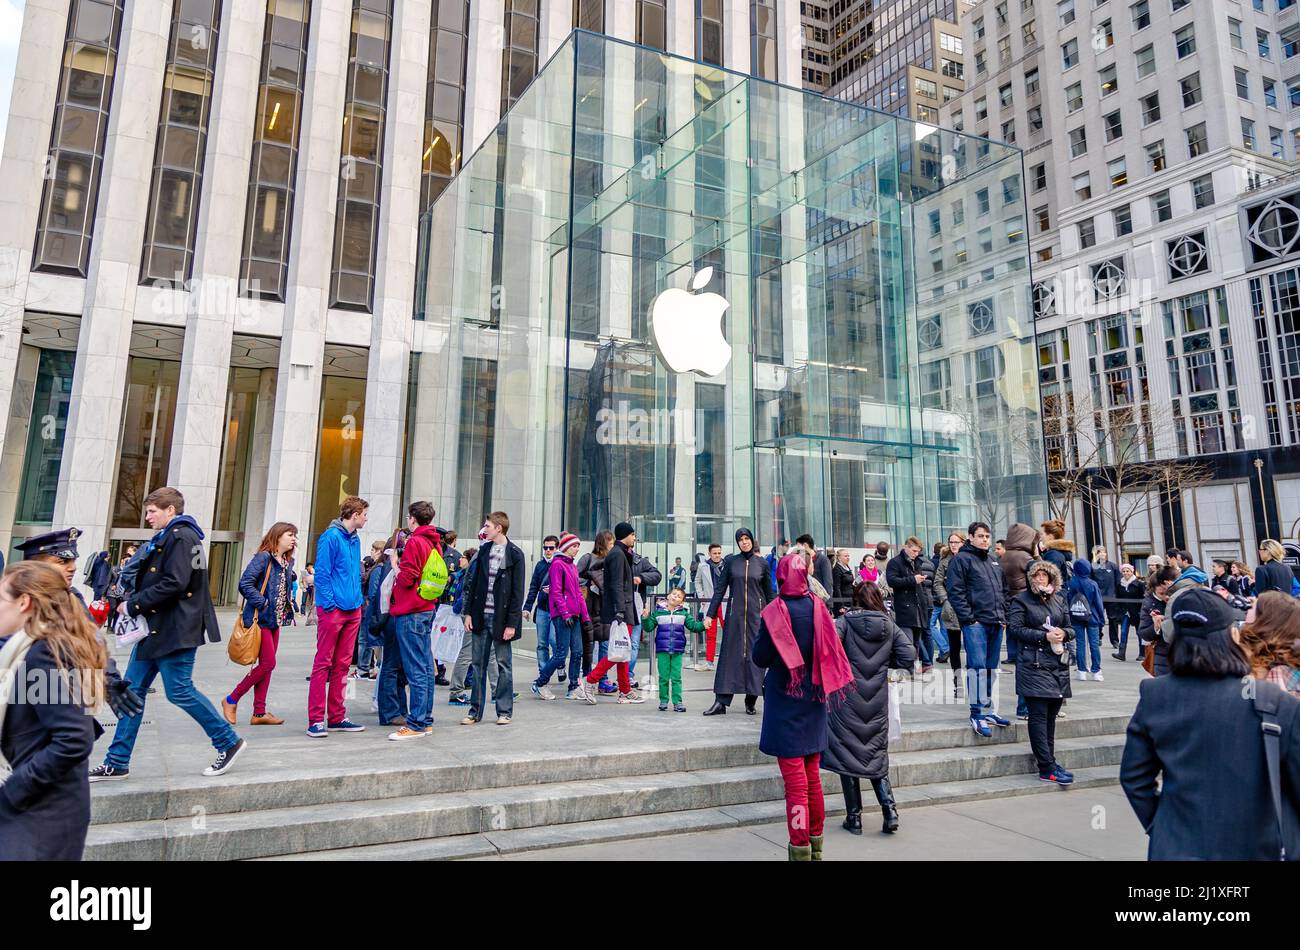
[[523, 804]]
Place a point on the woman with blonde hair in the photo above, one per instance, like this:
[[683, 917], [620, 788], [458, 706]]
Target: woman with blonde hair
[[51, 679], [1272, 573]]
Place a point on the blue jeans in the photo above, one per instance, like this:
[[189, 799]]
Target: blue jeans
[[983, 645], [1088, 637], [1124, 623], [937, 632], [177, 671], [390, 688], [545, 636], [568, 641], [413, 640]]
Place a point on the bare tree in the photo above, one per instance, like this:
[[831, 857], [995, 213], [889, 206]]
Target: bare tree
[[1178, 476], [1074, 456], [1123, 476]]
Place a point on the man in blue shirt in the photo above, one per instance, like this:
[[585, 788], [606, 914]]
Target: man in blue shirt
[[338, 613]]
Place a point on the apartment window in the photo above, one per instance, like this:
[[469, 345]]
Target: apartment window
[[1248, 134], [1262, 41], [356, 222], [1031, 82], [1070, 54], [519, 57], [1191, 88], [1197, 143], [1044, 216], [981, 109], [1234, 34], [1203, 192], [1074, 97], [1156, 157], [1009, 131], [982, 201], [1011, 190], [1146, 61], [1030, 33], [1082, 187], [1109, 280], [958, 212], [1270, 93], [1035, 118], [76, 153], [1104, 33], [1065, 11], [1004, 50], [1087, 234], [1117, 172], [950, 93], [168, 254], [1108, 78], [1000, 11], [1004, 95], [936, 223], [1078, 142], [979, 28], [273, 172], [1123, 221], [1275, 143], [1150, 108], [1039, 174], [1141, 15], [651, 23], [1161, 207], [444, 109], [1243, 82], [1185, 40], [708, 30], [981, 64], [762, 29], [1113, 126], [1176, 5]]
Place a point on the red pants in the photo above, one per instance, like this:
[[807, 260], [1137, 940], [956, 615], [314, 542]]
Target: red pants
[[600, 669], [805, 809], [259, 677], [716, 626], [336, 642]]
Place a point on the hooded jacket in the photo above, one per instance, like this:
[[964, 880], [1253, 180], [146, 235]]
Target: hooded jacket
[[566, 600], [338, 568], [1021, 541], [1040, 671], [1082, 583], [1061, 553], [422, 542], [976, 587], [172, 592]]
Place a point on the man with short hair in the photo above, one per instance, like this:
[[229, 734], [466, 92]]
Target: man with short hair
[[677, 576], [338, 615], [493, 615], [412, 615], [905, 578], [821, 563], [977, 589], [539, 589], [172, 596], [707, 580], [1106, 576]]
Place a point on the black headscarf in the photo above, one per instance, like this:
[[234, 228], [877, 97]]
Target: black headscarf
[[753, 547]]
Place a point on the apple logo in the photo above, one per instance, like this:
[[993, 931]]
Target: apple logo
[[688, 328]]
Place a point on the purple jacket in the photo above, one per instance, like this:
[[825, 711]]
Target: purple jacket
[[566, 600]]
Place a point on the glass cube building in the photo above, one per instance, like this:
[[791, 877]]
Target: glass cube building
[[877, 377]]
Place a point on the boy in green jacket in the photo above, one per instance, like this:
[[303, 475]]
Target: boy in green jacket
[[669, 623]]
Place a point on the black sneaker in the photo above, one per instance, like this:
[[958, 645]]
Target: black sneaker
[[106, 773], [226, 759]]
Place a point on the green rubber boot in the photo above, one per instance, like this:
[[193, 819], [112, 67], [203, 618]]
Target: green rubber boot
[[816, 844], [800, 852]]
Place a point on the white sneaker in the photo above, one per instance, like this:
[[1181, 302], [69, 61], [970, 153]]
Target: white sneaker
[[1097, 676], [542, 692], [588, 692], [1083, 674], [632, 696]]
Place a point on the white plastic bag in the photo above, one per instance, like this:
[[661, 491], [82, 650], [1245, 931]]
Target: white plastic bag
[[620, 642], [448, 635], [895, 712], [129, 630]]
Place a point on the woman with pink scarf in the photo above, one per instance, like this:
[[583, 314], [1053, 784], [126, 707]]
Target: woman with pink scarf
[[806, 669]]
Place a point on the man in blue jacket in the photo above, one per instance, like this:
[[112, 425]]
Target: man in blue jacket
[[977, 590], [338, 613], [538, 587]]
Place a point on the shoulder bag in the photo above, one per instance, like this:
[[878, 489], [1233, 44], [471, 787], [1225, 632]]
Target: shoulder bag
[[245, 643]]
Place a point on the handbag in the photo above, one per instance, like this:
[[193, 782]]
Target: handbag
[[245, 642], [620, 642], [448, 635], [1149, 658]]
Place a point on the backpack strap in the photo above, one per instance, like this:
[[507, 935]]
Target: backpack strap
[[1266, 698]]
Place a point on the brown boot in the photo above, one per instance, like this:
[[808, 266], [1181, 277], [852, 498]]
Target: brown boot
[[266, 719], [816, 844], [228, 710], [800, 852]]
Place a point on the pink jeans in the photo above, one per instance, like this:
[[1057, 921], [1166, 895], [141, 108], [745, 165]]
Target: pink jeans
[[805, 808], [336, 641], [259, 677]]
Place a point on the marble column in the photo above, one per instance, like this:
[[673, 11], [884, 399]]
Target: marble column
[[483, 78], [16, 430], [259, 465]]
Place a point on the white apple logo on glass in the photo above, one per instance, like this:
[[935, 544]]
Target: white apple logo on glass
[[688, 328]]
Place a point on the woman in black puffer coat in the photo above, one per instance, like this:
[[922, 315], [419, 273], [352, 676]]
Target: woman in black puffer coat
[[1042, 674], [857, 741]]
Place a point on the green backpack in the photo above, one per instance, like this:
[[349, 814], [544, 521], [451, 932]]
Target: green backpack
[[434, 578]]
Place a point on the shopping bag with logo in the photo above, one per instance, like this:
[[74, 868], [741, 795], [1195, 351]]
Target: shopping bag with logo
[[129, 630], [448, 635], [620, 642]]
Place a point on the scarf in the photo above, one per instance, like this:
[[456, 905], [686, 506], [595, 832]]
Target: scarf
[[869, 574], [753, 548], [831, 673]]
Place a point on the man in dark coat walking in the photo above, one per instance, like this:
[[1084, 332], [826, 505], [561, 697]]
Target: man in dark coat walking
[[746, 584], [171, 596]]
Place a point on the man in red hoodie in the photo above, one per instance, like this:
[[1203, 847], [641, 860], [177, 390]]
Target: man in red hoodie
[[413, 618]]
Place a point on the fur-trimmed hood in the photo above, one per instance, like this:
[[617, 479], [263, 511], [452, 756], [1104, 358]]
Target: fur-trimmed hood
[[1060, 544], [1052, 572]]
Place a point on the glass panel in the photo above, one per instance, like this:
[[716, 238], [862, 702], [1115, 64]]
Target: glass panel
[[236, 449], [45, 431], [148, 417], [338, 463]]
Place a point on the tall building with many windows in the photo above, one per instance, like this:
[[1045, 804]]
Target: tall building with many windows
[[1160, 144], [211, 241]]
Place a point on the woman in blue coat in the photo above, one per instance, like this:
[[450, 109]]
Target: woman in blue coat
[[48, 733], [806, 668], [1087, 614], [266, 585]]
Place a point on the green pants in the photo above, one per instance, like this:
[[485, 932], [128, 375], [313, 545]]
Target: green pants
[[670, 673]]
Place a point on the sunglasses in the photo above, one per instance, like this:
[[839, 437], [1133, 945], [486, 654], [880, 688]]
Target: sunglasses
[[548, 547]]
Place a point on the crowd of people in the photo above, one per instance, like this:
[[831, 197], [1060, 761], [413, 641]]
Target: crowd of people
[[801, 627]]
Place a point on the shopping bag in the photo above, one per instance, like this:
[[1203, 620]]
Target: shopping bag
[[129, 630], [448, 635], [620, 642], [895, 712]]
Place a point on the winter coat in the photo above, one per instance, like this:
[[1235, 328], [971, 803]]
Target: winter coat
[[422, 542], [1273, 575], [618, 594], [1241, 586], [45, 803], [507, 592], [976, 587], [748, 590], [262, 603], [792, 725], [375, 619], [946, 614], [537, 586], [1204, 742], [1081, 582], [1147, 632], [566, 600], [337, 579], [1040, 671], [911, 600], [821, 571], [843, 592], [669, 628], [1061, 553], [1132, 596], [706, 579], [172, 594], [1021, 541], [858, 730], [1106, 576]]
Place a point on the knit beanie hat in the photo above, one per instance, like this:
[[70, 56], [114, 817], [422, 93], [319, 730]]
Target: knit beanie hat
[[622, 530], [567, 540]]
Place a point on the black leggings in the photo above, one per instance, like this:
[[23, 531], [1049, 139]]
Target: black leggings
[[954, 649], [1042, 729]]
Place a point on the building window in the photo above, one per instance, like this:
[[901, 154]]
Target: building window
[[1004, 95], [1146, 61], [652, 23], [273, 172], [1248, 134], [1108, 79], [1074, 97], [930, 332], [1044, 299], [356, 225], [1161, 208], [1234, 34], [1117, 172], [1197, 143], [1123, 221], [1243, 82], [981, 109], [980, 316], [1009, 131], [1031, 83], [762, 28], [1191, 89], [708, 31], [519, 55], [1141, 15], [1113, 126], [1040, 176], [1275, 143], [1035, 119], [1044, 216], [1078, 141], [76, 154], [444, 109], [1070, 54], [168, 255], [1082, 187], [1150, 108], [1270, 93], [589, 15], [1156, 157], [982, 201], [1065, 12], [1087, 234], [1187, 256], [1203, 192], [1108, 279], [1185, 41], [1262, 41]]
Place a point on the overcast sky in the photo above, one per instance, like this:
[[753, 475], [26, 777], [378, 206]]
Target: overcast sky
[[11, 22]]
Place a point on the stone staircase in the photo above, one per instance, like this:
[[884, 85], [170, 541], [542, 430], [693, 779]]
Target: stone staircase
[[531, 803]]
